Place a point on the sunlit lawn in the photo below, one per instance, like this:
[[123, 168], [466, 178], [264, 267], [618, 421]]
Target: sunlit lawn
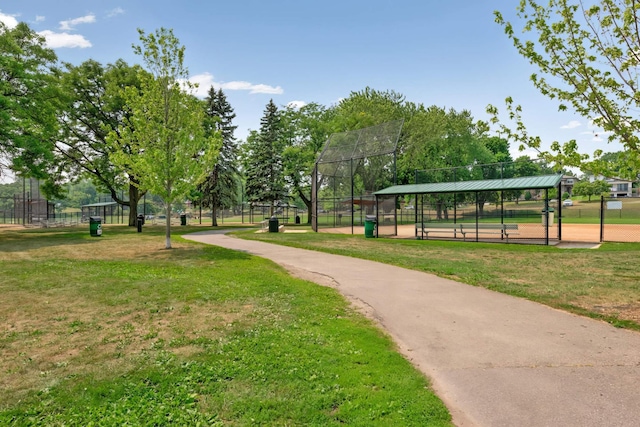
[[117, 330]]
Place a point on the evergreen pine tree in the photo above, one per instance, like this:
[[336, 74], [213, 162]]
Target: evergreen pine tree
[[263, 161], [219, 190]]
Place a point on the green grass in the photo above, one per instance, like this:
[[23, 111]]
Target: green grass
[[602, 283], [116, 330]]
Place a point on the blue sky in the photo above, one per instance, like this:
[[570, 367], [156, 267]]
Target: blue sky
[[445, 53]]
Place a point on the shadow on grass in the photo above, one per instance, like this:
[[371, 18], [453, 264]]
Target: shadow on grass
[[116, 243], [24, 240]]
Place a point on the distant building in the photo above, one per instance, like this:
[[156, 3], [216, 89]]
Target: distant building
[[566, 184], [618, 187]]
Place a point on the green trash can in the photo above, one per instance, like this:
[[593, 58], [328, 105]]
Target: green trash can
[[95, 226], [273, 224], [183, 219], [369, 226]]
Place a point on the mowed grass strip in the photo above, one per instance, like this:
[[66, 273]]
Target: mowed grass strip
[[117, 330], [601, 283]]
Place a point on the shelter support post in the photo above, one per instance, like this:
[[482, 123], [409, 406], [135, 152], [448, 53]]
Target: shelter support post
[[559, 216], [477, 216], [546, 214]]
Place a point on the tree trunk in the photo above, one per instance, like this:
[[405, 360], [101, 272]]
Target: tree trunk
[[214, 220], [168, 227], [134, 197], [439, 210], [307, 203]]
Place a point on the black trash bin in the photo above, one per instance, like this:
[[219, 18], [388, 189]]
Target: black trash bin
[[273, 224], [297, 219], [183, 219], [95, 226], [140, 222]]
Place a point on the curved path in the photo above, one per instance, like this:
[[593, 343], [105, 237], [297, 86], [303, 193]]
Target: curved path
[[494, 360]]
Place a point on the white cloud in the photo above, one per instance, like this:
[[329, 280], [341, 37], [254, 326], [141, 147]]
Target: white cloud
[[9, 20], [206, 80], [296, 105], [71, 23], [115, 12], [571, 125], [57, 40], [252, 88], [40, 18]]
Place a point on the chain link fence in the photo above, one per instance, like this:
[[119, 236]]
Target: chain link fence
[[620, 219]]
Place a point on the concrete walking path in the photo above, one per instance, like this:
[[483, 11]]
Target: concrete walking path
[[494, 360]]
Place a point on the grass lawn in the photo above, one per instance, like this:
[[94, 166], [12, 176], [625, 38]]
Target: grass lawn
[[116, 330], [602, 283]]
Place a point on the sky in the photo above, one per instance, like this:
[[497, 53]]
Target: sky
[[445, 53]]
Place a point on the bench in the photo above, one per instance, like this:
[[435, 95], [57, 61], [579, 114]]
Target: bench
[[504, 230], [388, 217], [423, 230]]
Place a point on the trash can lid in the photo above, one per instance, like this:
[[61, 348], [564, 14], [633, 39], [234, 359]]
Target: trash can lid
[[95, 218]]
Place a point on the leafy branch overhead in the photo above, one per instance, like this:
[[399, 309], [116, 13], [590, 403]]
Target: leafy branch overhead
[[587, 54]]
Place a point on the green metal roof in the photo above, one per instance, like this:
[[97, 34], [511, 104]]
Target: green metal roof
[[522, 183]]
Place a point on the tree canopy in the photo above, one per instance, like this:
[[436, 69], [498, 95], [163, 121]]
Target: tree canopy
[[92, 105], [28, 93], [306, 130]]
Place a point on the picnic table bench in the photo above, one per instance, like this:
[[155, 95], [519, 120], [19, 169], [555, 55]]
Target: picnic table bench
[[504, 230]]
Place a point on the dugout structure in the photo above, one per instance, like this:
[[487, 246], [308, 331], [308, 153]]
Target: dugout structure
[[498, 208], [350, 169]]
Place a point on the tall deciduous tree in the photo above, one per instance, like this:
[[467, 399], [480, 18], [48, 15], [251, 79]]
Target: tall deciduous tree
[[167, 132], [306, 129], [263, 162], [220, 187], [591, 188], [92, 107], [588, 54], [370, 107], [438, 140], [28, 90]]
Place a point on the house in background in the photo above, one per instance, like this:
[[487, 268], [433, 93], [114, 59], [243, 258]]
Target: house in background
[[566, 184], [620, 187], [617, 187]]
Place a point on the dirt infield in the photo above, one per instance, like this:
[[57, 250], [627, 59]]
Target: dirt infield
[[570, 233]]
